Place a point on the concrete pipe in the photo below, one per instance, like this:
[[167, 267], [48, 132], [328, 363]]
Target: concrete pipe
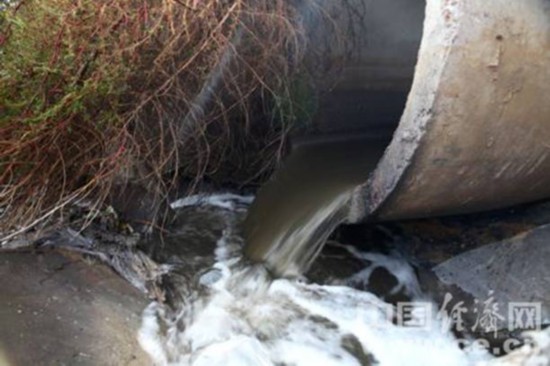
[[475, 131], [474, 134]]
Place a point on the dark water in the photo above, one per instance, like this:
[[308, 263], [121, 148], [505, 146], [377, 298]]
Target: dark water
[[297, 210]]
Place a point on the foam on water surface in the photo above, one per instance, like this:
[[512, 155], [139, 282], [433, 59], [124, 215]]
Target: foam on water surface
[[243, 317], [395, 264], [223, 200]]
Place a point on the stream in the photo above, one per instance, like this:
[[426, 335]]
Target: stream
[[226, 310]]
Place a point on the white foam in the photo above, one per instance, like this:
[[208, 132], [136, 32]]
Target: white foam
[[149, 334], [246, 319], [397, 266], [226, 201]]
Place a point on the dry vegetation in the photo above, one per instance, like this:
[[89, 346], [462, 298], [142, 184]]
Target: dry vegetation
[[94, 92]]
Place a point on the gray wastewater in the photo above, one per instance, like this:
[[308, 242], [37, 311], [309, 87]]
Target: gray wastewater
[[239, 289], [237, 301], [234, 312], [296, 211]]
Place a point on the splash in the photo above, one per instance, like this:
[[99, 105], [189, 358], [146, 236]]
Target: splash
[[239, 315]]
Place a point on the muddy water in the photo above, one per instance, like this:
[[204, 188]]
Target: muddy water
[[297, 210], [233, 313]]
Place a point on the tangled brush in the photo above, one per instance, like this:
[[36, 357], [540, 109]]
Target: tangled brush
[[97, 92]]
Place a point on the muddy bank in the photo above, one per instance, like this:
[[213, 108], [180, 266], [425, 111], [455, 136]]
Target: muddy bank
[[56, 309]]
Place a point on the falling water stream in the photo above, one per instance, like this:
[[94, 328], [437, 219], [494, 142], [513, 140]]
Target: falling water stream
[[297, 210], [240, 315], [233, 311]]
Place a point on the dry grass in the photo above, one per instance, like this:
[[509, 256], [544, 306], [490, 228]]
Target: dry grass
[[94, 92]]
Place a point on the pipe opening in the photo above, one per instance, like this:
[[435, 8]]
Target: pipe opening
[[373, 90], [356, 121]]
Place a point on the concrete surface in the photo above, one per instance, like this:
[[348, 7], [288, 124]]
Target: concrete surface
[[59, 310], [372, 87], [474, 133], [512, 271]]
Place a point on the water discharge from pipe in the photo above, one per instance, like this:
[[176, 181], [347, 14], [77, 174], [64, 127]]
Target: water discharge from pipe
[[297, 210]]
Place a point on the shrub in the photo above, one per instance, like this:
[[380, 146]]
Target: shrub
[[98, 91]]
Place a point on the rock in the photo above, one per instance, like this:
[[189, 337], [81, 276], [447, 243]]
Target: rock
[[513, 272], [56, 309]]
